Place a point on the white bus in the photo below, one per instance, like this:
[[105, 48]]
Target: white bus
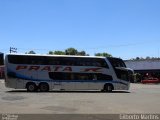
[[61, 72]]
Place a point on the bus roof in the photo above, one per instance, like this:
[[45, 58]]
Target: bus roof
[[47, 55]]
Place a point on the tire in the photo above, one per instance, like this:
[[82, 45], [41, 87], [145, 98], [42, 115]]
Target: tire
[[43, 87], [108, 87], [31, 87]]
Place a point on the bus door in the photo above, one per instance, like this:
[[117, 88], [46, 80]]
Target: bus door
[[68, 85], [94, 83], [61, 80], [81, 85], [81, 81]]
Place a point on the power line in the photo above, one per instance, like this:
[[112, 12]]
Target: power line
[[86, 48]]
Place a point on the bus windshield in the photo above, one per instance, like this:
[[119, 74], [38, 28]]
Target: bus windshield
[[121, 71], [116, 62]]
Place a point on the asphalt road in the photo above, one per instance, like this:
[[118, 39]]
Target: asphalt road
[[139, 99]]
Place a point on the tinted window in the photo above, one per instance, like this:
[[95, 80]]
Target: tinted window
[[68, 61], [116, 62], [91, 62], [26, 59], [78, 76]]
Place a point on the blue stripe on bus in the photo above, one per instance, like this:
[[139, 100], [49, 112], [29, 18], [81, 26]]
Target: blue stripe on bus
[[68, 81], [50, 80]]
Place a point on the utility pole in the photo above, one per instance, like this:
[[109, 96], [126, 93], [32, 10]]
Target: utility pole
[[13, 50]]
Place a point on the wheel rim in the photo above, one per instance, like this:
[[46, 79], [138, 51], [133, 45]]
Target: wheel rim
[[109, 88], [43, 87], [31, 87]]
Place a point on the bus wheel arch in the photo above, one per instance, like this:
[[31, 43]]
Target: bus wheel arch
[[108, 87], [43, 87], [31, 87]]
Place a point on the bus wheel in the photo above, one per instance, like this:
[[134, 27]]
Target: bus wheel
[[108, 87], [44, 87], [31, 87]]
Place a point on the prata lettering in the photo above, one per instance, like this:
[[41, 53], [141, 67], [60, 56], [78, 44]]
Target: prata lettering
[[54, 68]]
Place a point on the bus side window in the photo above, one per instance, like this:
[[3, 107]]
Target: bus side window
[[94, 77], [103, 63]]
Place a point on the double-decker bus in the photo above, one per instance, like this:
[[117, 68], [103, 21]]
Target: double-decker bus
[[62, 72]]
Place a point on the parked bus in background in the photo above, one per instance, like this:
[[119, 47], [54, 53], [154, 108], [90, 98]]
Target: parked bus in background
[[61, 72], [1, 72], [1, 65]]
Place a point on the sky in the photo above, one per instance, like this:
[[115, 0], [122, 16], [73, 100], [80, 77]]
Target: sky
[[122, 28]]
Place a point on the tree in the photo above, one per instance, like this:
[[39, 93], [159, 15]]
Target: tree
[[148, 58], [30, 52], [51, 52], [56, 52], [82, 53], [137, 58], [71, 51], [103, 54], [59, 53]]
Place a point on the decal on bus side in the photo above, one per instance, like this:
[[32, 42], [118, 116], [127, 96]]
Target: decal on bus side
[[55, 68]]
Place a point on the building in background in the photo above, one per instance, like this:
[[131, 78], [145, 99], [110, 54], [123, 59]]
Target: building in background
[[144, 69]]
